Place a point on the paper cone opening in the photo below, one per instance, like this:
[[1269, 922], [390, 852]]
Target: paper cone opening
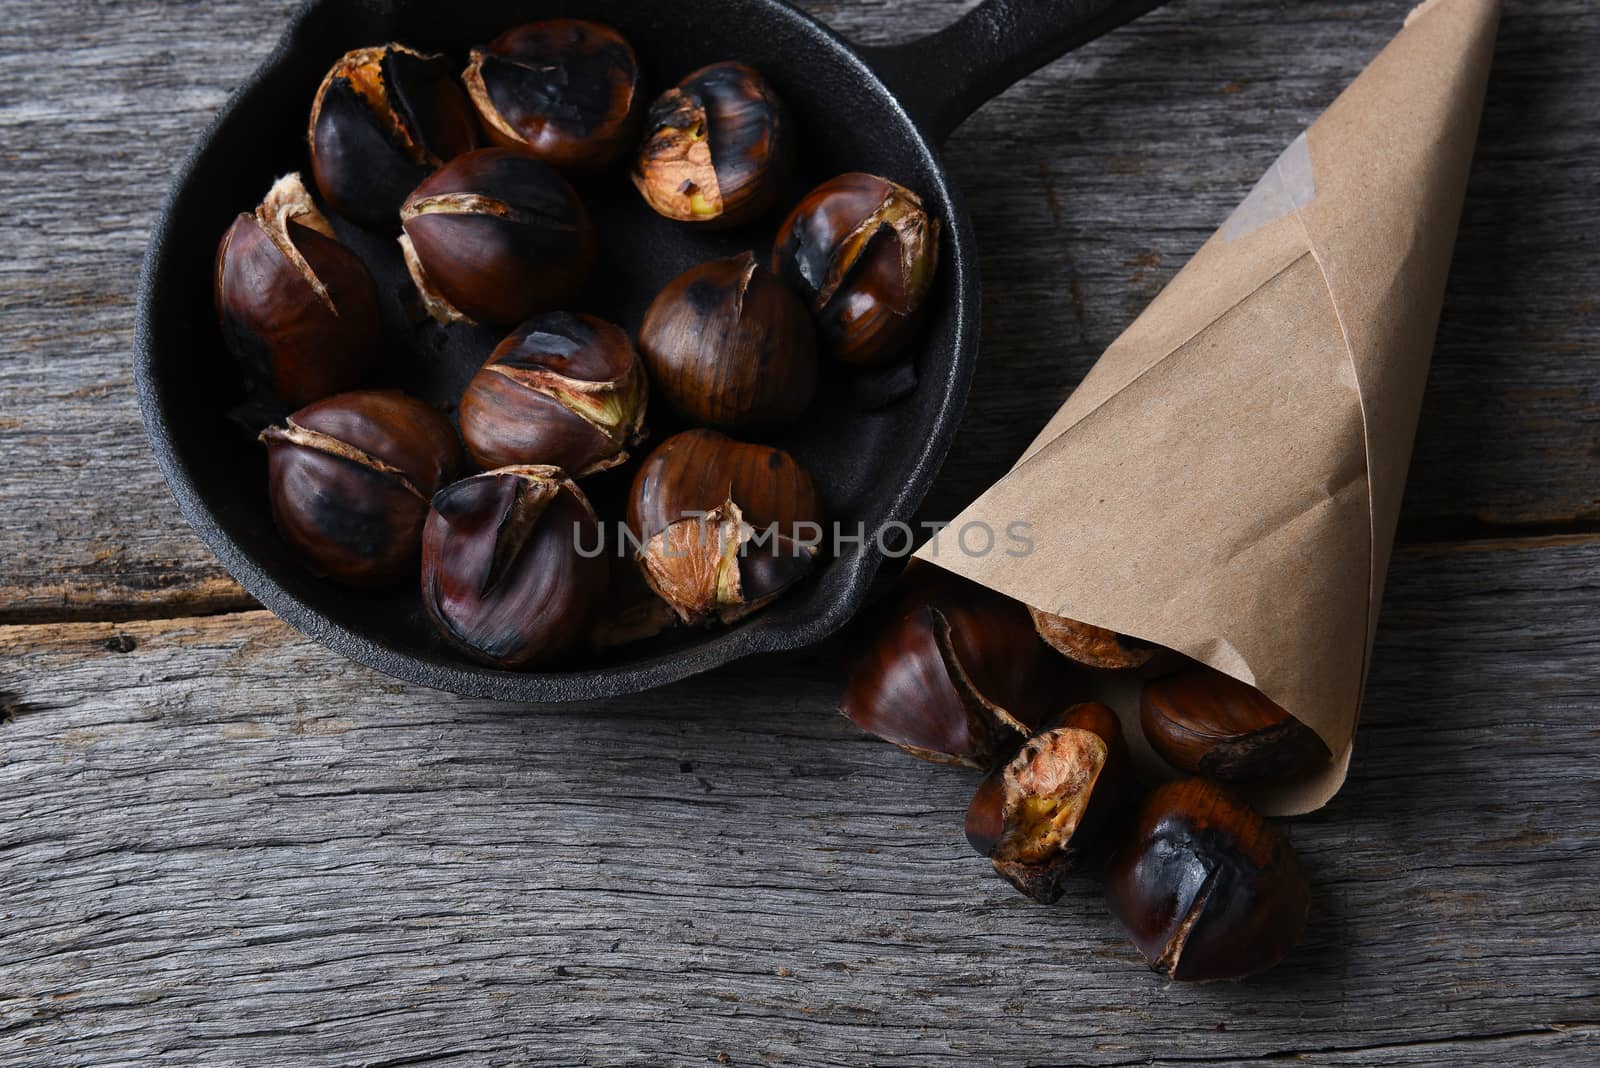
[[1225, 481]]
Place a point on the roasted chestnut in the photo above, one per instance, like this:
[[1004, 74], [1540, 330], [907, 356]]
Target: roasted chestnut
[[512, 572], [563, 390], [1205, 722], [862, 251], [350, 478], [1037, 814], [565, 90], [724, 528], [717, 148], [1206, 888], [953, 672], [383, 119], [728, 345], [1092, 646], [496, 236], [297, 308]]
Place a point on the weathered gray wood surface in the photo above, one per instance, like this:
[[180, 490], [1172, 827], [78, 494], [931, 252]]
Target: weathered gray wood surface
[[221, 845], [1089, 184], [207, 862]]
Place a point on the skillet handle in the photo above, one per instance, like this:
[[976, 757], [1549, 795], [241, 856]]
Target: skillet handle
[[946, 76]]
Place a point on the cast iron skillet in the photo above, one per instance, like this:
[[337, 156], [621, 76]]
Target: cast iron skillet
[[881, 110]]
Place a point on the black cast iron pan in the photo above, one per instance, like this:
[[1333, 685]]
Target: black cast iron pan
[[882, 110]]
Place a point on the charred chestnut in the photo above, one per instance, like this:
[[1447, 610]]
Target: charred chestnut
[[297, 308], [1092, 646], [861, 251], [562, 390], [1206, 888], [350, 478], [952, 672], [728, 345], [385, 118], [1037, 814], [511, 572], [565, 90], [1205, 722], [496, 236], [717, 148], [724, 528]]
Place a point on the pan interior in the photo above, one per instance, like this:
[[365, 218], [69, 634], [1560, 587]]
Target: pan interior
[[872, 466]]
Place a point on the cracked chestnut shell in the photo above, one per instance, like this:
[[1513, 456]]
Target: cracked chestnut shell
[[566, 90], [717, 148], [1036, 815], [563, 390], [952, 672], [350, 478], [1205, 887], [1092, 646], [496, 236], [511, 569], [729, 346], [384, 118], [724, 527], [861, 251], [1208, 723], [298, 310]]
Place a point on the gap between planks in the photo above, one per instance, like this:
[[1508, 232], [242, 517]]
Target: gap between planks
[[223, 597]]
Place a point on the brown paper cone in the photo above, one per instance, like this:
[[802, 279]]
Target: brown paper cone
[[1226, 479]]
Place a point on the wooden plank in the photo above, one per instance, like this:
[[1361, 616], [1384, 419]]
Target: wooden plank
[[103, 101], [1090, 184], [206, 862]]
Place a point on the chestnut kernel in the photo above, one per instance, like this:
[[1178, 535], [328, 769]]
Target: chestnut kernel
[[350, 478], [562, 390], [1205, 887], [1037, 814], [861, 251], [1206, 722], [717, 148], [383, 119], [729, 346], [298, 310], [511, 572], [725, 528], [496, 236], [953, 672], [566, 90], [1092, 646]]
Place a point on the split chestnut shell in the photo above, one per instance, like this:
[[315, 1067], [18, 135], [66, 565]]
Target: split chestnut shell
[[297, 308], [566, 90], [1036, 815], [717, 148], [383, 119], [512, 572], [861, 251], [496, 236], [1205, 887], [350, 478], [724, 527], [562, 390], [952, 672]]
